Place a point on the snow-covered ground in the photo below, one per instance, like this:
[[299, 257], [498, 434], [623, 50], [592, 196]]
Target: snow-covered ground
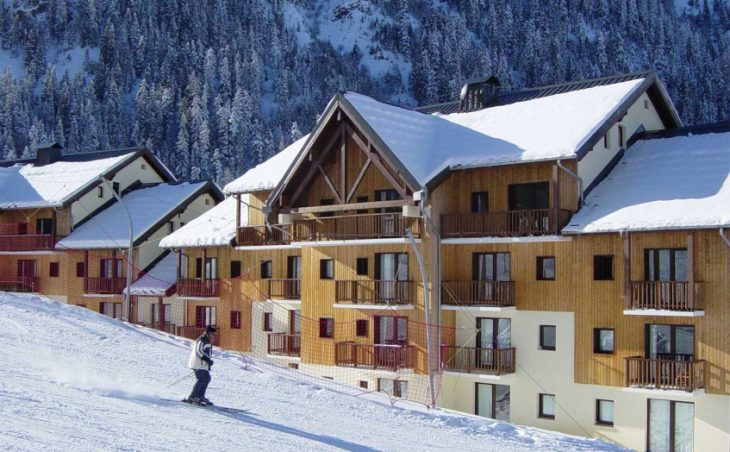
[[72, 379]]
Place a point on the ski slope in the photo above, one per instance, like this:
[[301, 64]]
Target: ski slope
[[72, 379]]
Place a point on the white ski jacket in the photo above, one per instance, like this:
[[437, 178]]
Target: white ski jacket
[[200, 356]]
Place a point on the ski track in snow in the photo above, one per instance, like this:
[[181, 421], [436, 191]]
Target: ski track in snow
[[74, 379]]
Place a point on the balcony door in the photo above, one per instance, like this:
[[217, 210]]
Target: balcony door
[[390, 333], [492, 401], [26, 268], [670, 426], [665, 264], [486, 269], [492, 334], [210, 268], [109, 268], [672, 342], [295, 322], [205, 316], [44, 226], [528, 204], [387, 224], [390, 268], [294, 273]]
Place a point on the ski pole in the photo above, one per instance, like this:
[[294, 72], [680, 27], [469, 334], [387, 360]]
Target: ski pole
[[178, 381]]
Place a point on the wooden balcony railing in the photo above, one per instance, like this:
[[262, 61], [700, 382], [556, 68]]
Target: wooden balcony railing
[[507, 223], [209, 288], [478, 293], [105, 285], [284, 344], [14, 228], [262, 235], [665, 295], [27, 242], [374, 356], [665, 374], [194, 332], [495, 361], [375, 292], [282, 289], [19, 283], [169, 328], [354, 227]]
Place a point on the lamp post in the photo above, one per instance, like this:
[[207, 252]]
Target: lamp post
[[126, 315]]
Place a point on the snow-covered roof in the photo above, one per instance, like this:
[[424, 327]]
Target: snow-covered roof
[[266, 175], [158, 280], [545, 128], [216, 227], [662, 183], [147, 207], [29, 186]]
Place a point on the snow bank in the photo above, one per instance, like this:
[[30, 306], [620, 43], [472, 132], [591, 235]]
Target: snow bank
[[216, 227], [670, 183]]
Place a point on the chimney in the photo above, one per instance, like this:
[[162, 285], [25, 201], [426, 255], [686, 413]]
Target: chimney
[[48, 153], [478, 93]]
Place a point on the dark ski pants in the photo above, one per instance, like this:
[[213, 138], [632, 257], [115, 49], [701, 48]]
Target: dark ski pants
[[203, 377]]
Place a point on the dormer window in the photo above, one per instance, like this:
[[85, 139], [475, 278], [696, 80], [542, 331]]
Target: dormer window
[[607, 140], [100, 191], [622, 136]]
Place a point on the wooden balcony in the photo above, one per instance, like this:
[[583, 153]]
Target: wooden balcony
[[262, 235], [282, 289], [355, 227], [19, 283], [478, 360], [509, 223], [665, 374], [284, 344], [106, 286], [209, 288], [26, 242], [664, 295], [375, 292], [169, 328], [478, 293], [374, 356], [194, 332]]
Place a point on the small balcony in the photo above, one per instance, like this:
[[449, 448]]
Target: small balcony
[[375, 292], [282, 289], [664, 295], [26, 242], [19, 284], [494, 361], [208, 288], [263, 236], [194, 332], [284, 344], [356, 227], [105, 286], [672, 374], [374, 356], [498, 294], [509, 223]]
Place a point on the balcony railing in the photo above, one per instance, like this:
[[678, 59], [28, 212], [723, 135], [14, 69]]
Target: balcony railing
[[665, 295], [194, 332], [27, 242], [354, 227], [284, 344], [19, 283], [169, 328], [374, 292], [495, 361], [478, 293], [374, 356], [665, 374], [282, 289], [209, 288], [503, 223], [262, 235], [105, 285], [14, 229]]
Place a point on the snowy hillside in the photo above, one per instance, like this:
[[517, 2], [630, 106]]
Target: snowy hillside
[[75, 380]]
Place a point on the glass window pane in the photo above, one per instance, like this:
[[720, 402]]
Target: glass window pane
[[680, 265], [664, 267], [605, 338], [547, 339], [658, 425], [659, 341], [684, 414], [502, 266], [504, 335], [685, 340], [605, 412], [485, 401], [501, 406], [548, 405]]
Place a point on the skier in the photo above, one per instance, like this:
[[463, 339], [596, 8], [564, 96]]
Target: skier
[[200, 362]]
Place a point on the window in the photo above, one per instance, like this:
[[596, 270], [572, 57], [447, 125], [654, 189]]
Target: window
[[547, 406], [326, 269], [170, 227], [490, 267], [394, 388], [363, 384], [670, 425], [266, 269], [44, 226], [547, 337], [235, 269], [362, 265], [155, 313], [603, 268], [326, 202], [492, 401], [211, 268], [326, 327], [27, 268], [607, 139], [54, 270], [621, 136], [604, 412], [100, 191], [546, 268], [109, 268], [205, 316], [80, 269], [668, 264], [113, 310], [115, 187], [530, 196], [361, 328], [268, 321], [361, 199], [295, 321], [388, 195], [670, 342], [479, 202], [603, 340], [294, 267], [236, 320]]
